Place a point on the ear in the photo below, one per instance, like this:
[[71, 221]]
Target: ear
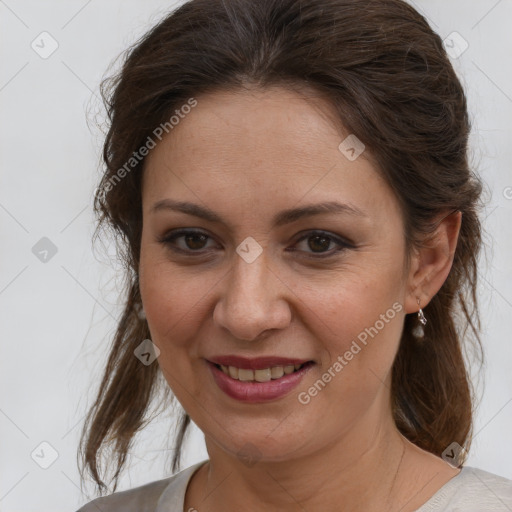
[[431, 264]]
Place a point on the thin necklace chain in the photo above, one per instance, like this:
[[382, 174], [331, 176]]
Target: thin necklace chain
[[394, 478]]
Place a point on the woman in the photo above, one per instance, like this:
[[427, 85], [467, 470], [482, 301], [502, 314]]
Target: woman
[[290, 183]]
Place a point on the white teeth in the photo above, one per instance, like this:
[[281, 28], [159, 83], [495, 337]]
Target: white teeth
[[277, 372], [244, 374], [264, 375]]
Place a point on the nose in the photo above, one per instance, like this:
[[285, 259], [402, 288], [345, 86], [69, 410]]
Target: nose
[[253, 300]]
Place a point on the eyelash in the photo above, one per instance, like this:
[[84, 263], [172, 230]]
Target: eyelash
[[168, 240]]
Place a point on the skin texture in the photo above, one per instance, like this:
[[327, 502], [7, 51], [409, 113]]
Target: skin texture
[[248, 155]]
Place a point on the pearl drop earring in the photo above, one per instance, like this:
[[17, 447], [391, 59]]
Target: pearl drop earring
[[418, 331]]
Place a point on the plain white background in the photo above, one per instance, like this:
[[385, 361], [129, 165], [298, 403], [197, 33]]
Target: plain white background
[[58, 316]]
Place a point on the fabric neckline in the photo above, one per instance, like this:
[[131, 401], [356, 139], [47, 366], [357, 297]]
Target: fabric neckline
[[173, 496]]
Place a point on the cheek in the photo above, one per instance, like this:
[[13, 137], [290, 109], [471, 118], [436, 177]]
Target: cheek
[[171, 298], [342, 305], [358, 321], [174, 303], [359, 342], [365, 333]]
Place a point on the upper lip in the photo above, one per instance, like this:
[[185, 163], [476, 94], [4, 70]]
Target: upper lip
[[257, 363]]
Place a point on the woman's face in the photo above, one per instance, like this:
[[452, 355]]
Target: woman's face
[[263, 276]]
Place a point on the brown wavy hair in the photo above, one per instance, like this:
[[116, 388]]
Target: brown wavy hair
[[389, 81]]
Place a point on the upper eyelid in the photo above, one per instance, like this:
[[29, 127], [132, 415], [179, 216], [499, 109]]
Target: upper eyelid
[[337, 239], [334, 236]]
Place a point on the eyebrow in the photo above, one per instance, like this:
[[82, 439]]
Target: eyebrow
[[280, 219]]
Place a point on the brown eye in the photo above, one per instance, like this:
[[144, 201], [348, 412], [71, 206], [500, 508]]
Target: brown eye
[[321, 244], [195, 241], [187, 241]]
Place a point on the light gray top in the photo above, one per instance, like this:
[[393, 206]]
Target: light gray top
[[472, 490]]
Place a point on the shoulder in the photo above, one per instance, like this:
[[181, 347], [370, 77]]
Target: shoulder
[[161, 495], [472, 490]]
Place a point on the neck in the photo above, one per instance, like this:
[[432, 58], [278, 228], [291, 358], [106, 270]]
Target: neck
[[340, 473]]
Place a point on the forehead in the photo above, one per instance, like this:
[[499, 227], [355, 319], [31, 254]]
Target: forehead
[[259, 142], [240, 118]]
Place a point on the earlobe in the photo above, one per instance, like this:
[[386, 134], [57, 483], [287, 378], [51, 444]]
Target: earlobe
[[432, 262]]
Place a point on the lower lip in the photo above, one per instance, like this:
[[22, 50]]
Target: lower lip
[[258, 391]]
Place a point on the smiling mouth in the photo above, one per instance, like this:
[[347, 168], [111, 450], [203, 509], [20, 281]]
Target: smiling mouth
[[262, 375]]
